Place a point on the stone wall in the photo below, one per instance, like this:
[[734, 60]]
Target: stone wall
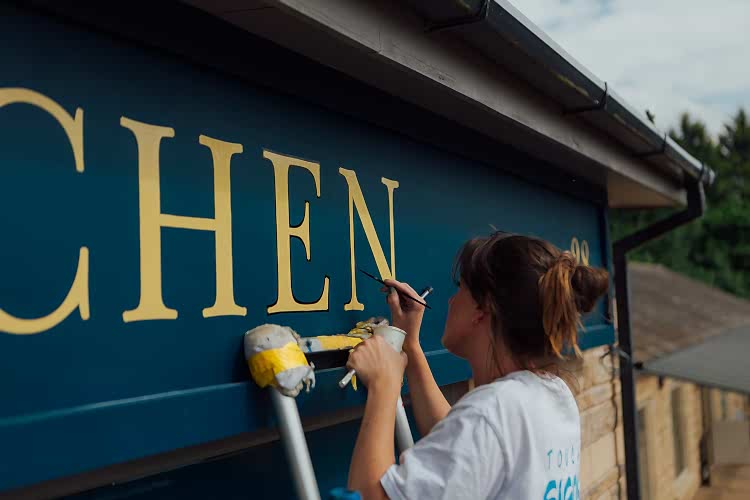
[[655, 398], [602, 453], [598, 396], [727, 405]]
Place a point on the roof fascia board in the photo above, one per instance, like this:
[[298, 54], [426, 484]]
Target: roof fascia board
[[445, 75]]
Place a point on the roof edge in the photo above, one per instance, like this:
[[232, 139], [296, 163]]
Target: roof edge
[[573, 82]]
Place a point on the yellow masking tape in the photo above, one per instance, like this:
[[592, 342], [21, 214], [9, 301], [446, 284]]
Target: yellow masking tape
[[329, 342], [265, 365]]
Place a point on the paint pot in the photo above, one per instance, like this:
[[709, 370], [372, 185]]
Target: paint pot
[[392, 335]]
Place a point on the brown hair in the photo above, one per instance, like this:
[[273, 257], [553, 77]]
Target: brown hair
[[535, 293]]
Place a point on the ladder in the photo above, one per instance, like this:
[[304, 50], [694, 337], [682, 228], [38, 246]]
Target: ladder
[[274, 338], [295, 446]]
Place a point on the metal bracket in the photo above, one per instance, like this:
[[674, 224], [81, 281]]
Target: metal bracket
[[601, 103], [478, 16], [704, 169], [659, 151], [624, 356]]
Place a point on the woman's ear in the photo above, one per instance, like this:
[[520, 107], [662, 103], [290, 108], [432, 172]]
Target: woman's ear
[[478, 315]]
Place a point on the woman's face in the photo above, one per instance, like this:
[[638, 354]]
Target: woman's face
[[463, 315]]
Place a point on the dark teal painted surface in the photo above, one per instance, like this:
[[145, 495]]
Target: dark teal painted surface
[[92, 393], [229, 477]]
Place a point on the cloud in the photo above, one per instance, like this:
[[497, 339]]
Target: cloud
[[669, 56]]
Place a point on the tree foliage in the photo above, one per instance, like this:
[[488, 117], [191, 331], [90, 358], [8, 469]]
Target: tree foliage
[[716, 248]]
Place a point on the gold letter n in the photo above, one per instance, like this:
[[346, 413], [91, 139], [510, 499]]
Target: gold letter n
[[357, 200]]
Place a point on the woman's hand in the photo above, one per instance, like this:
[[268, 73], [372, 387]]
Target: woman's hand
[[405, 314], [378, 365]]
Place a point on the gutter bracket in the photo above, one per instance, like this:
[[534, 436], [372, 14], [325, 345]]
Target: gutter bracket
[[600, 104], [696, 206], [494, 26], [476, 17], [623, 356], [655, 152], [702, 174]]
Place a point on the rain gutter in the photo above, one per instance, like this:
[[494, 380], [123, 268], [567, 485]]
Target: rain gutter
[[502, 33]]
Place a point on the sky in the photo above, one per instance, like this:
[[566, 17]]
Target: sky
[[668, 56]]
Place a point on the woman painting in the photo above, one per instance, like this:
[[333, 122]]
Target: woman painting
[[517, 434]]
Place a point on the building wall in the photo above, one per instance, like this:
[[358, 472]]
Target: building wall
[[727, 405], [598, 395], [602, 445], [656, 399]]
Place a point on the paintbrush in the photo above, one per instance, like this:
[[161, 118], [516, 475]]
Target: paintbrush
[[401, 294]]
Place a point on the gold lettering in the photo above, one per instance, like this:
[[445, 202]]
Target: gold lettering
[[285, 302], [78, 295], [580, 251], [151, 304], [357, 200]]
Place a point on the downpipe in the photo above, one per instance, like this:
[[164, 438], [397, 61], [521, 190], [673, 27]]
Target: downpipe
[[696, 206]]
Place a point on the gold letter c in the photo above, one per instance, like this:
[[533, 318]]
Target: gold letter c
[[78, 295]]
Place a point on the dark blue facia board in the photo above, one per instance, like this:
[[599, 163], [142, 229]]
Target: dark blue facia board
[[152, 211]]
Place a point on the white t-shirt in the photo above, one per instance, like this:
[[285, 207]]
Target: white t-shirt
[[517, 438]]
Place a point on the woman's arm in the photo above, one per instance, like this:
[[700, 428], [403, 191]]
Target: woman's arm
[[381, 369], [428, 402], [373, 452]]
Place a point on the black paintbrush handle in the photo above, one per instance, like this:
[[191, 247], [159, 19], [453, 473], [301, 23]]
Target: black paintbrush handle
[[399, 293]]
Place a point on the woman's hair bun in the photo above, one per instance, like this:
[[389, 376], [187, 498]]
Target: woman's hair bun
[[589, 284], [568, 290]]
